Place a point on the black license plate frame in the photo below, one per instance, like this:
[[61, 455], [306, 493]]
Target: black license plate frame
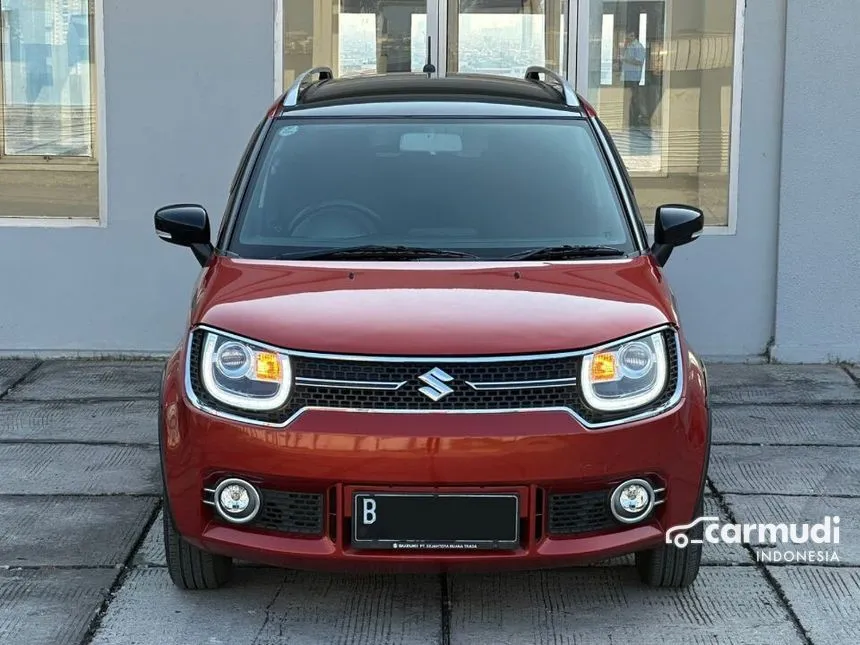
[[474, 512]]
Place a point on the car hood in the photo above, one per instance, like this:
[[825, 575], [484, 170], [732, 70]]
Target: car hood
[[433, 308]]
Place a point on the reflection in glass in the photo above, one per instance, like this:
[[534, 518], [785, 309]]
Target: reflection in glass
[[670, 117], [47, 106], [481, 163], [47, 109], [506, 36], [354, 37]]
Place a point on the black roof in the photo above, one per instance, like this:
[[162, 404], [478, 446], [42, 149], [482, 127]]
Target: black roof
[[406, 87]]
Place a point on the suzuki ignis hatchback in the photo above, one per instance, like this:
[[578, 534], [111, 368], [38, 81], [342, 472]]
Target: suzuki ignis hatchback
[[431, 335]]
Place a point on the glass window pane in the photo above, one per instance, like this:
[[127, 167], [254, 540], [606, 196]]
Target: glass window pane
[[508, 184], [48, 164], [506, 37], [660, 75], [47, 74], [354, 37]]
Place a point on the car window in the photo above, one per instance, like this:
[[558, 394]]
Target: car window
[[487, 186]]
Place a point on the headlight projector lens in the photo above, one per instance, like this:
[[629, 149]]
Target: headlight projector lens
[[636, 360], [233, 360]]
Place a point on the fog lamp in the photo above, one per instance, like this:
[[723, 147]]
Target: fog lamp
[[234, 498], [632, 501], [237, 501]]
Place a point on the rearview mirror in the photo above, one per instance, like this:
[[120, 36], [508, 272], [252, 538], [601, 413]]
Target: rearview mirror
[[185, 225], [675, 225], [432, 142]]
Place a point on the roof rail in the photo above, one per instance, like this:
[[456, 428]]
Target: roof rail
[[570, 98], [294, 94]]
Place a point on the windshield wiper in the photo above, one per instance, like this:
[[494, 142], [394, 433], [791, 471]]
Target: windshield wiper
[[567, 251], [377, 251]]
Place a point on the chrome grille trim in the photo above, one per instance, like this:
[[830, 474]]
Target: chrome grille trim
[[350, 385], [522, 385]]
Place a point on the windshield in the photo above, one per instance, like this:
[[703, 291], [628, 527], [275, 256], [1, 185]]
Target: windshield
[[486, 187]]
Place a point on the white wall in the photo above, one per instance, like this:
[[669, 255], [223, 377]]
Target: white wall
[[818, 299], [726, 284], [186, 82]]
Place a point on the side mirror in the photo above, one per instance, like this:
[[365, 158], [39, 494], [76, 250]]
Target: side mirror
[[675, 225], [185, 225]]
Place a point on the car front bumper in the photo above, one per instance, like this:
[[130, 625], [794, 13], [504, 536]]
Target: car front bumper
[[536, 454]]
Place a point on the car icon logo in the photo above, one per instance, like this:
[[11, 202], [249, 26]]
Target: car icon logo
[[675, 535], [436, 380]]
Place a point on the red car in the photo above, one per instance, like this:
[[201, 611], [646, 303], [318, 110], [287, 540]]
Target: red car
[[431, 335]]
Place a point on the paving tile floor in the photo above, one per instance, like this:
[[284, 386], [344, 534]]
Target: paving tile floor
[[82, 559]]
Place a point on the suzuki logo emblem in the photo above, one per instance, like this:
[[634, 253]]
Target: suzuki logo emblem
[[435, 380]]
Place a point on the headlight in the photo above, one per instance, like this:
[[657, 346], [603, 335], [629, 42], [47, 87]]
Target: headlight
[[625, 377], [243, 375]]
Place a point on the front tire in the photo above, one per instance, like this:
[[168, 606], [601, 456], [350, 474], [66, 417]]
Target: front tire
[[670, 566], [191, 568]]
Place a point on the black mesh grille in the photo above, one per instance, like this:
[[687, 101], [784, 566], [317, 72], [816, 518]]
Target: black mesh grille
[[570, 514], [408, 397], [290, 512]]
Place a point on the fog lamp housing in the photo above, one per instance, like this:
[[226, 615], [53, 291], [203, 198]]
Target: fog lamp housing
[[236, 500], [632, 501]]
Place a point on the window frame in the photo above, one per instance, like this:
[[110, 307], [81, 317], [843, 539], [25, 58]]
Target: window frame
[[91, 164], [578, 74], [238, 186]]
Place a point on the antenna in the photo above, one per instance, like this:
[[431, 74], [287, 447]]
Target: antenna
[[429, 67]]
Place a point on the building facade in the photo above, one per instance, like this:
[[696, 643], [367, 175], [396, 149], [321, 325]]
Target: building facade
[[744, 108]]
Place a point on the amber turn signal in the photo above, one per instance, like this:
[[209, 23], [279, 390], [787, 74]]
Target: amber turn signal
[[267, 367], [604, 367]]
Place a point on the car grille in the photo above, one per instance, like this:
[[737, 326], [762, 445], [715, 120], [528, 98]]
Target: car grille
[[290, 512], [464, 397], [387, 385], [570, 514]]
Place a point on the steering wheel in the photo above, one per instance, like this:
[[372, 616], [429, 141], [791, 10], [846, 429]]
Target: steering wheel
[[371, 218]]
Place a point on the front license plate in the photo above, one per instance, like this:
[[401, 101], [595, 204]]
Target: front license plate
[[435, 521]]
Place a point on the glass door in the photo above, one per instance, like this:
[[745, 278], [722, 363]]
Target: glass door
[[661, 74], [504, 36], [358, 37]]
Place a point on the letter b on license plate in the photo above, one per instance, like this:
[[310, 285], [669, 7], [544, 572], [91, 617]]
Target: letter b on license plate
[[368, 511]]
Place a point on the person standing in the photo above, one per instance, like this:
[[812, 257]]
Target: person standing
[[632, 63]]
